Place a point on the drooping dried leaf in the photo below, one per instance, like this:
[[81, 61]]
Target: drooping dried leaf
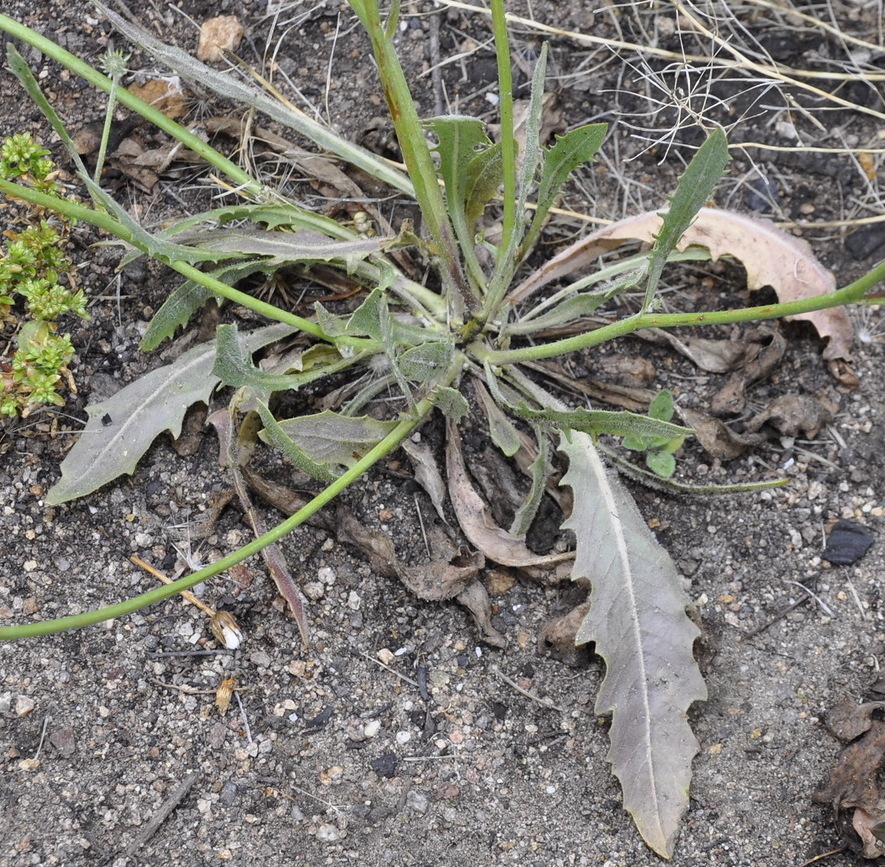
[[853, 792], [475, 519], [717, 440], [638, 623], [234, 452], [121, 429], [427, 474], [771, 258]]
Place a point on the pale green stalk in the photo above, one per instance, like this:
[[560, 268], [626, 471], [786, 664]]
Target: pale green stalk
[[249, 186], [416, 154], [505, 263], [851, 294], [381, 450]]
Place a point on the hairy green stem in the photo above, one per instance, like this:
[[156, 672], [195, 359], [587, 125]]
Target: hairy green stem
[[106, 222], [416, 153], [851, 294], [248, 185], [381, 450]]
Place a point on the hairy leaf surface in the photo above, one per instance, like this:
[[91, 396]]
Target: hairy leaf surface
[[638, 623], [121, 429]]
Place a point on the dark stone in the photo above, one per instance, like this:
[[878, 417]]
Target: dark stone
[[848, 542], [385, 765]]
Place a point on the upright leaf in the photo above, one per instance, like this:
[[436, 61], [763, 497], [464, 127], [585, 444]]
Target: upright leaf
[[695, 187], [638, 623], [570, 151]]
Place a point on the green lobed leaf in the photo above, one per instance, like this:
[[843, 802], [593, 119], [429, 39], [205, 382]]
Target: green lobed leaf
[[330, 439], [121, 429], [638, 624], [451, 403], [661, 462], [274, 434], [187, 299], [502, 431], [484, 178], [539, 470], [303, 245], [460, 140], [233, 365]]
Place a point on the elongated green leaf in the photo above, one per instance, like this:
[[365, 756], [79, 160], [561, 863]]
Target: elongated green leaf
[[303, 245], [570, 151], [121, 428], [638, 623], [460, 141], [188, 298], [502, 431], [539, 469], [484, 177], [591, 421], [330, 439], [695, 187]]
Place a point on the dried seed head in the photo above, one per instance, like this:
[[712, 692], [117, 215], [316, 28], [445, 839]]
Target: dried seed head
[[225, 629], [223, 694]]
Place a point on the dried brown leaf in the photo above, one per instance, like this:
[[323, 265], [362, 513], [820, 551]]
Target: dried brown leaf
[[791, 414], [764, 350], [717, 440], [475, 519], [771, 258]]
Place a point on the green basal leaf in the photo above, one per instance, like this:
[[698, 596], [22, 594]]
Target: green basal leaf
[[427, 362], [566, 311], [451, 403], [303, 245], [274, 434], [329, 439], [460, 139], [187, 299], [175, 311], [121, 429], [570, 151], [661, 462], [591, 421], [370, 317], [502, 431], [333, 326], [233, 365], [694, 189], [662, 407], [484, 178]]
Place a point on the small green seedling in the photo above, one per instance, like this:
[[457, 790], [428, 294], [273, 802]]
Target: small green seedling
[[659, 451]]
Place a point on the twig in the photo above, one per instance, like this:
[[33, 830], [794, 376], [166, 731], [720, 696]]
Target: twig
[[177, 796], [544, 702], [759, 629]]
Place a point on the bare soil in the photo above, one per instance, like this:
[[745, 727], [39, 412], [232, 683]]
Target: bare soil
[[326, 757]]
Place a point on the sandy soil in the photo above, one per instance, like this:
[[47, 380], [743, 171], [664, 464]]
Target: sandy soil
[[327, 757]]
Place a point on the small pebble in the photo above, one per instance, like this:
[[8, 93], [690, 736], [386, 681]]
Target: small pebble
[[329, 834], [24, 705], [372, 728]]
